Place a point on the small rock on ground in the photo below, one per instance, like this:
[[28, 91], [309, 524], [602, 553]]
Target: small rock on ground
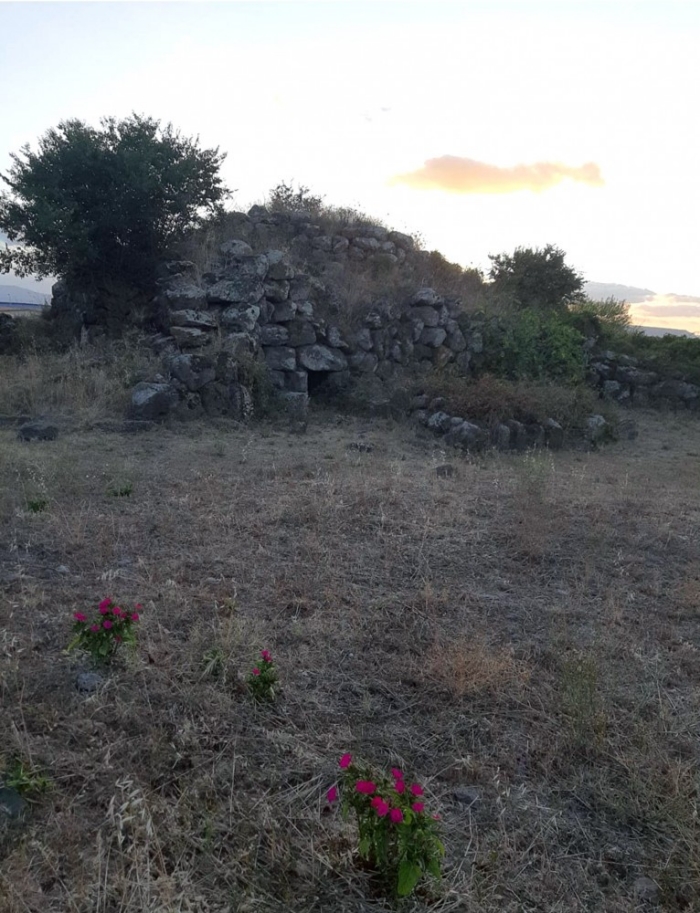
[[446, 471], [646, 890], [12, 806], [466, 795], [37, 431], [89, 682]]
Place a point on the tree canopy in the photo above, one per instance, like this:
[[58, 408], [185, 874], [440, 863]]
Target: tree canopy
[[536, 278], [101, 206]]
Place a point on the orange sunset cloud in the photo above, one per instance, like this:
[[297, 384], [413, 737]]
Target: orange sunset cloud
[[463, 175]]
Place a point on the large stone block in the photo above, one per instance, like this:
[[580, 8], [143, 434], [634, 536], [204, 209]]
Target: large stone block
[[152, 401], [194, 371], [281, 358], [322, 358]]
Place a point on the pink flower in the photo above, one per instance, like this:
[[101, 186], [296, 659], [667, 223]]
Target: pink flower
[[346, 761], [333, 794], [94, 628], [256, 671], [107, 625], [366, 787], [396, 815], [134, 616], [399, 786], [416, 789], [396, 773], [79, 616], [105, 604], [266, 655], [117, 611], [138, 606], [380, 806], [436, 817], [418, 806]]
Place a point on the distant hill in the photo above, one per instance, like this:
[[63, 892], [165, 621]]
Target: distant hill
[[665, 331], [599, 291], [13, 296]]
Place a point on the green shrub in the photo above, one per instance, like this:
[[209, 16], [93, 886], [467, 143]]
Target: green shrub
[[529, 345]]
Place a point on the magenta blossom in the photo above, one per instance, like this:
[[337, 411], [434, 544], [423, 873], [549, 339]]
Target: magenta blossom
[[416, 789], [107, 625], [418, 806], [346, 761], [396, 815], [79, 616], [399, 786], [94, 628], [366, 786], [104, 609], [333, 794], [380, 806], [117, 611], [256, 671], [266, 655], [396, 773], [105, 604], [134, 616]]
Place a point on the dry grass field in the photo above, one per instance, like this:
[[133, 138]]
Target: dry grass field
[[523, 636]]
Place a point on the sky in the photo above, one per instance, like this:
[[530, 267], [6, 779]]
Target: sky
[[480, 126]]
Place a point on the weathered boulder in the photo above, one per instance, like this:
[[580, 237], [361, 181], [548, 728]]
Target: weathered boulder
[[279, 268], [362, 339], [432, 337], [281, 358], [554, 434], [300, 333], [242, 319], [439, 422], [596, 429], [191, 318], [284, 311], [363, 362], [194, 371], [405, 242], [518, 435], [37, 431], [427, 315], [189, 337], [151, 402], [236, 291], [235, 249], [611, 389], [636, 377], [274, 335], [426, 296], [183, 293], [277, 290], [677, 390], [467, 436], [321, 358]]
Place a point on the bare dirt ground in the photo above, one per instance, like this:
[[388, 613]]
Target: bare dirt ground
[[523, 637]]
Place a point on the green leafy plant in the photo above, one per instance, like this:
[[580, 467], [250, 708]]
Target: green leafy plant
[[396, 835], [125, 490], [26, 779], [37, 505], [262, 681], [102, 635]]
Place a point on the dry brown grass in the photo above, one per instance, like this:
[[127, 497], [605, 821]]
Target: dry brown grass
[[414, 622], [89, 382]]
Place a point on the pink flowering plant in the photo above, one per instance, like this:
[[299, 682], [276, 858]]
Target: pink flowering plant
[[262, 681], [397, 836], [102, 634]]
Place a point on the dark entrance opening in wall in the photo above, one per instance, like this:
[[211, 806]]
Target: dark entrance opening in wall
[[318, 382], [327, 383]]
